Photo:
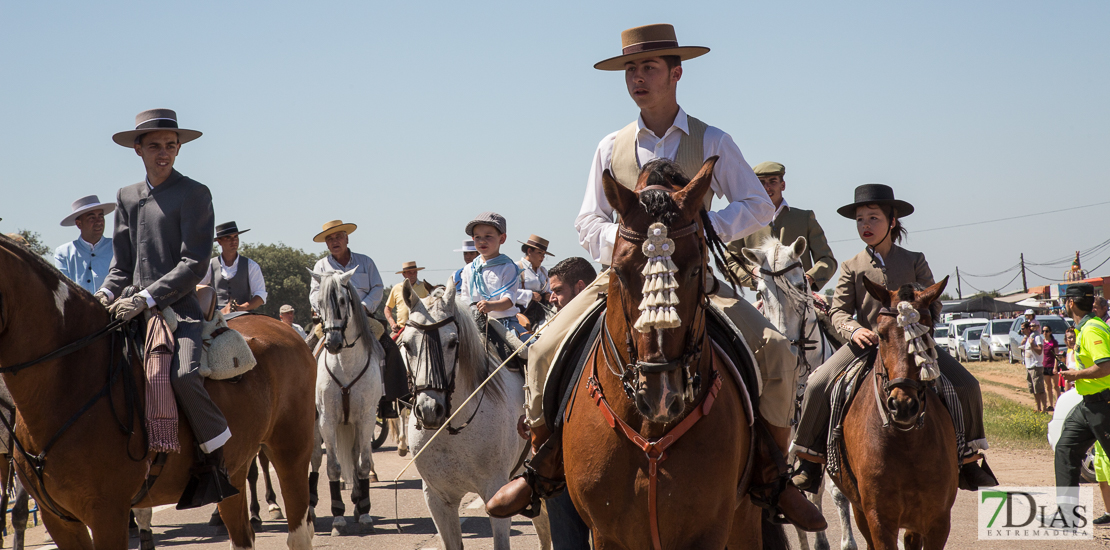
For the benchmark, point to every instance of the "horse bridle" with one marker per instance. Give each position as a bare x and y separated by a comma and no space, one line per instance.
341,328
437,369
882,393
803,342
629,372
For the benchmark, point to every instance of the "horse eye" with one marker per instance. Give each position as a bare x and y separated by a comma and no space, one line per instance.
695,272
452,342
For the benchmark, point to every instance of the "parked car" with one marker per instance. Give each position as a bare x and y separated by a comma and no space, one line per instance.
940,336
1057,323
956,330
969,344
995,340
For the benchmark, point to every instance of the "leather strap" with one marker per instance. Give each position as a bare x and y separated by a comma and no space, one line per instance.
656,451
346,390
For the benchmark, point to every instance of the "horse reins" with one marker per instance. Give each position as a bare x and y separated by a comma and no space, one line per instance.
437,369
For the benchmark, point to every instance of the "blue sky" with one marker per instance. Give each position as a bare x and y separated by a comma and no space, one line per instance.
410,118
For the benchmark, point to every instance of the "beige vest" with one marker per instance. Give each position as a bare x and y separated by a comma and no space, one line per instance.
690,155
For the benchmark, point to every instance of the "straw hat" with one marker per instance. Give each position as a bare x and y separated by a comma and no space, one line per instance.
649,41
537,242
334,226
155,120
408,265
86,204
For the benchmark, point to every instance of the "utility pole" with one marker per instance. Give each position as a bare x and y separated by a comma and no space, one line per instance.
959,291
1024,284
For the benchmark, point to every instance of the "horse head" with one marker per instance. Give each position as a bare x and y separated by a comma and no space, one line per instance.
781,282
907,352
431,343
339,306
657,284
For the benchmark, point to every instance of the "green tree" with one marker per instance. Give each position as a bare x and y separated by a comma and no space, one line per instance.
945,296
287,279
34,244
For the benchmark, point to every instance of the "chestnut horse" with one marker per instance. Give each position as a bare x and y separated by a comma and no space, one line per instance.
657,442
901,471
95,463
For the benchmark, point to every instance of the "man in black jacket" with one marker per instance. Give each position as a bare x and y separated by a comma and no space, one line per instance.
162,244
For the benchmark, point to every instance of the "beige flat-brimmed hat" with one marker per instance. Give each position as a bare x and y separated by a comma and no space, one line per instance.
649,41
407,266
86,204
155,120
334,226
537,242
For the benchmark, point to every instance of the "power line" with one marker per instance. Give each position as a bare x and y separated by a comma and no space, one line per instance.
1007,270
996,220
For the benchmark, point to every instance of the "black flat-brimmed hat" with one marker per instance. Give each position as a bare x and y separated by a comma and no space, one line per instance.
155,120
228,229
649,41
875,193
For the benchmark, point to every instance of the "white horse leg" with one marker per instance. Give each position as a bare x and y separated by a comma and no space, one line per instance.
445,516
821,541
402,432
144,517
844,510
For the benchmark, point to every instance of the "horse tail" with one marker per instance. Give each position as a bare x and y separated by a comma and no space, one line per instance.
346,440
774,537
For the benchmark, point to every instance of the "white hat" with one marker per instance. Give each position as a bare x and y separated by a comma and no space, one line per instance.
1029,312
87,204
468,246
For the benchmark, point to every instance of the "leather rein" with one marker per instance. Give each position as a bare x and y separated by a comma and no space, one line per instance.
437,369
882,393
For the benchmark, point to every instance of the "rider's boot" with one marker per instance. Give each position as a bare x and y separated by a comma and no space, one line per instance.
337,508
209,483
807,476
543,476
973,476
774,474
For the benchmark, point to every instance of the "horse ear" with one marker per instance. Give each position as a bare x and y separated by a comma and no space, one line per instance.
620,198
930,295
880,293
315,276
691,198
449,294
409,295
346,277
799,246
755,256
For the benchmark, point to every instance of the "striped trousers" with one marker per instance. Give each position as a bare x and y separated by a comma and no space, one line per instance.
813,427
188,385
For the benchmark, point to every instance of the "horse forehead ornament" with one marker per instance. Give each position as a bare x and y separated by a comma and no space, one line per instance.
920,342
658,305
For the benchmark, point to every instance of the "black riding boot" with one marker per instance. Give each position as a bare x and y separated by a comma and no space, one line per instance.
209,484
360,497
337,508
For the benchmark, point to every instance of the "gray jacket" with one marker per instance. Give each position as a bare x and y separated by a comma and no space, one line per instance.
162,240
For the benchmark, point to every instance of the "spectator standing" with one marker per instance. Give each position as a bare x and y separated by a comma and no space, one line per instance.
1101,307
86,260
1048,354
1069,359
1031,345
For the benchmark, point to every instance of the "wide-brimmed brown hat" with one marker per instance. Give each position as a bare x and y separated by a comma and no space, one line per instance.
334,226
537,242
155,120
649,41
408,265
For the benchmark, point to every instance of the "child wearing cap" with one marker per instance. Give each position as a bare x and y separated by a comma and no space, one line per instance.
491,283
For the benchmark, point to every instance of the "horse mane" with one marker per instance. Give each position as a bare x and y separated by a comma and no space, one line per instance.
47,272
474,357
329,285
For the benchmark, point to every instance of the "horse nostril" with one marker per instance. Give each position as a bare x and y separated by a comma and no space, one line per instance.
892,404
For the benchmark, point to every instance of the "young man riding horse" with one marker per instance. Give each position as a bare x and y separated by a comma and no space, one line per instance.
162,245
237,280
651,60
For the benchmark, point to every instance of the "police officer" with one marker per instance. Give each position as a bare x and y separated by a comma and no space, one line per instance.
1090,419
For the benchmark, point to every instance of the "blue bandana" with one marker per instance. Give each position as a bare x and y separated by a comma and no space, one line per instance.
478,283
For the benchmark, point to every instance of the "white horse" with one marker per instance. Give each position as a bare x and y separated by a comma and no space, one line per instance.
481,449
788,305
348,388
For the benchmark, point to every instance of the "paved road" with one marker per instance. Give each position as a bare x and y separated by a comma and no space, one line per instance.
189,529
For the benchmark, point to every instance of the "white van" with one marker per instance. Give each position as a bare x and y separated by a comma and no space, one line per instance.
956,330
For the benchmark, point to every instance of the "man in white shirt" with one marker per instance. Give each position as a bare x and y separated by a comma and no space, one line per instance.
87,259
237,280
1031,343
651,62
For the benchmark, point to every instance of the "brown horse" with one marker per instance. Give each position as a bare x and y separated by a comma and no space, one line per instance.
660,460
98,463
902,475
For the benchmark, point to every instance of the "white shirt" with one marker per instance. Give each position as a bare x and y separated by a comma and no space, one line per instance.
1032,358
496,277
748,209
300,330
366,280
535,280
254,276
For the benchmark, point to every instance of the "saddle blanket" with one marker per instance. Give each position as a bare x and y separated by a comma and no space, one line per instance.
224,352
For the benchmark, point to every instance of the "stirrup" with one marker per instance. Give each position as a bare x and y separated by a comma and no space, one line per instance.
766,496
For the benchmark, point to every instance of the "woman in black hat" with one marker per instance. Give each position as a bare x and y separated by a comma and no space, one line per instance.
878,217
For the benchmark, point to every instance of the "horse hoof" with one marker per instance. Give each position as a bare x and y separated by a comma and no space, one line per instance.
275,512
402,451
312,516
365,519
373,477
256,522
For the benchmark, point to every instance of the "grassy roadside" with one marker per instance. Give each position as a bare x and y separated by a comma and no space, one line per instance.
1012,425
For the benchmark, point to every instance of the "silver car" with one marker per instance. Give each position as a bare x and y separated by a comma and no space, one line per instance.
969,345
995,341
940,336
1055,322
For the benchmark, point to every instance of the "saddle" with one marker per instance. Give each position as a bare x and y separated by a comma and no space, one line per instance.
224,352
844,389
502,341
